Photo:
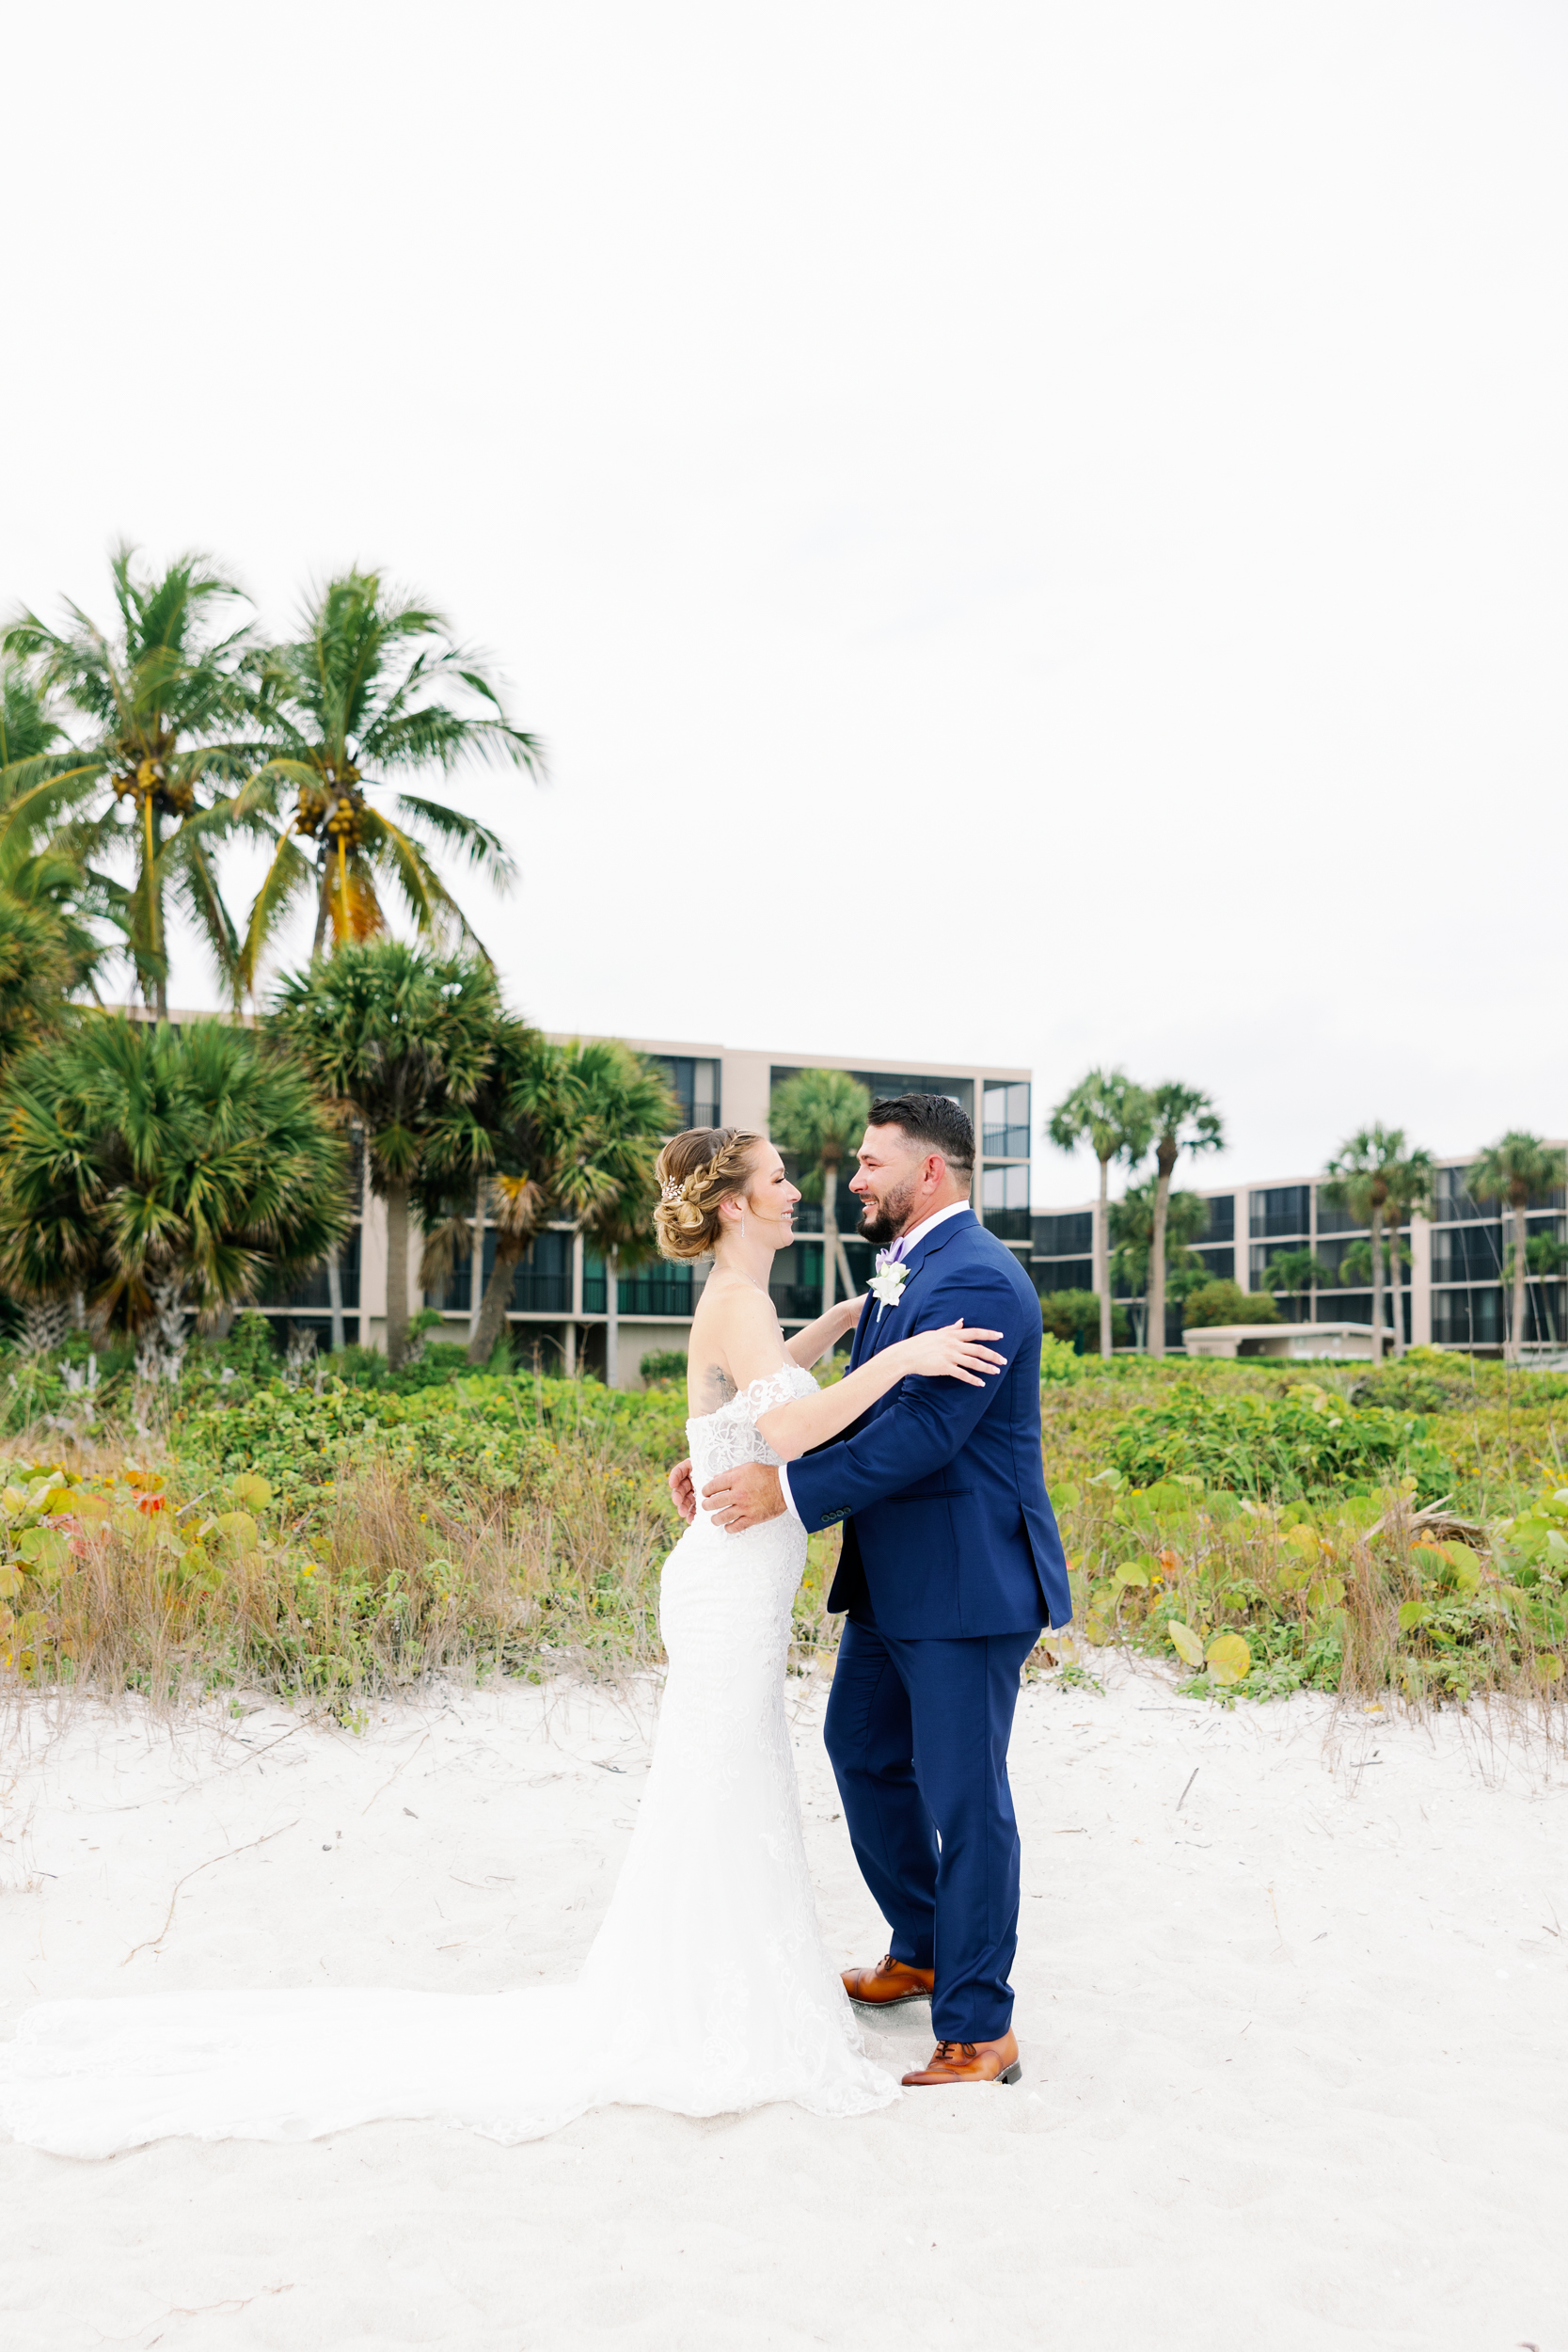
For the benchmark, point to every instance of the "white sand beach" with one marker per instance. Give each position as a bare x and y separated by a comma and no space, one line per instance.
1295,2043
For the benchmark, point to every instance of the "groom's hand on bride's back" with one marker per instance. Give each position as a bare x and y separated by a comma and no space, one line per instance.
682,1492
743,1497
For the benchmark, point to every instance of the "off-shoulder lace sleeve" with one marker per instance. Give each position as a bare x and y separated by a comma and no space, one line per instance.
780,1388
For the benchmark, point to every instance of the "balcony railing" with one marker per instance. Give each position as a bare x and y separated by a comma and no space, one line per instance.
1006,1143
1009,1224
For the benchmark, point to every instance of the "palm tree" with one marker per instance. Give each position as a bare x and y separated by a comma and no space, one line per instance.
822,1114
1296,1273
401,1041
1410,1180
48,898
1184,1120
1116,1119
353,708
1362,1175
161,1170
569,1133
626,1111
167,716
1519,1168
1136,1219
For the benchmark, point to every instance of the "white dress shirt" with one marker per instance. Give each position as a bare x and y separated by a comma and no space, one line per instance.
916,1232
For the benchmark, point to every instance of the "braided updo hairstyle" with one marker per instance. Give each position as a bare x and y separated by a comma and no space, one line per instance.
696,1172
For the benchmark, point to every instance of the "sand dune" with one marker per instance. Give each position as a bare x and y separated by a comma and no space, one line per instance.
1293,2044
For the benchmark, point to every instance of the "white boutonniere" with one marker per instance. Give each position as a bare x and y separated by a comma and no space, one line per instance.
887,1286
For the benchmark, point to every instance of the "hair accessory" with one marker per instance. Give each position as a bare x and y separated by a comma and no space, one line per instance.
671,1192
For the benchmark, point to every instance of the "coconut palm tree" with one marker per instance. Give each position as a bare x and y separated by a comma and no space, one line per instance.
1116,1119
1362,1176
1519,1167
821,1115
161,1170
354,707
164,714
1184,1120
401,1041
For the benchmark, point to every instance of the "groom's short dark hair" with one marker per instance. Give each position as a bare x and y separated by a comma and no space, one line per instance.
933,1120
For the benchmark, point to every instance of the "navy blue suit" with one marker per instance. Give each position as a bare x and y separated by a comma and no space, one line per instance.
950,1567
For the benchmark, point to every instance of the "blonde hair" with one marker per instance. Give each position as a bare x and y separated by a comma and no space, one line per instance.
698,1171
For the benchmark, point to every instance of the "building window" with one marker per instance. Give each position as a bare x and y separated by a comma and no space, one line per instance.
881,1084
1221,1263
1062,1274
1067,1236
310,1289
1285,1209
1222,1219
1332,1220
1467,1253
694,1083
1004,1121
1004,1201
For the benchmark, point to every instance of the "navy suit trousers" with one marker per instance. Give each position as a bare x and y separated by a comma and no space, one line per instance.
918,1732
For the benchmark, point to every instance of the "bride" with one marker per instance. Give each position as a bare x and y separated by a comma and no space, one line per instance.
707,1989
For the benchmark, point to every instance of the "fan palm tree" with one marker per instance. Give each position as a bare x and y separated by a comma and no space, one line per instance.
401,1041
821,1115
165,716
1410,1180
1296,1273
1519,1168
354,707
1143,1221
625,1109
1184,1120
1116,1119
1362,1176
159,1171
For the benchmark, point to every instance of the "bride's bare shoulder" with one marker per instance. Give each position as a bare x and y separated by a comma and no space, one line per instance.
736,1327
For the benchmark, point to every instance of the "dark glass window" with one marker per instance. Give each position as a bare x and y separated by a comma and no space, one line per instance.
1467,1253
1219,1263
694,1082
881,1084
1004,1121
1332,1220
1284,1209
1063,1236
1471,1318
1062,1274
1222,1218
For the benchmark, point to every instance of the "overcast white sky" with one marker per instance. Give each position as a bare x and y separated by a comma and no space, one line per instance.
1033,533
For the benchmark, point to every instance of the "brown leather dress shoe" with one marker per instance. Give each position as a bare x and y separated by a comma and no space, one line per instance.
971,2062
890,1983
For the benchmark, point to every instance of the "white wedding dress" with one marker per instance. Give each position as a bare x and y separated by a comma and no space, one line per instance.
707,1989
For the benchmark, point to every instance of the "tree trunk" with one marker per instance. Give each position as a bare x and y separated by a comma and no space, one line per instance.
846,1269
476,1263
397,1274
1155,1286
1377,1285
334,1297
498,1294
1103,1257
1521,1274
322,904
829,1226
612,1318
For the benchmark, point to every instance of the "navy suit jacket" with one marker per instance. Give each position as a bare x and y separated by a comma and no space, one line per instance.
949,1533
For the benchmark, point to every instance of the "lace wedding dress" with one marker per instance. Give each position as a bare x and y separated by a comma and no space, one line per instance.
707,1989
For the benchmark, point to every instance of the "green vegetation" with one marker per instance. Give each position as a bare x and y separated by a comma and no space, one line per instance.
821,1115
1208,1304
1271,1528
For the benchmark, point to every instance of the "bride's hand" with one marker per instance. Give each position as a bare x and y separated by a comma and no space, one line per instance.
953,1354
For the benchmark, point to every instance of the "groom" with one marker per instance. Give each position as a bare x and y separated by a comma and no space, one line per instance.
951,1563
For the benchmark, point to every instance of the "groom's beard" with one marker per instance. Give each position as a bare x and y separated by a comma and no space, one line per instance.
882,1225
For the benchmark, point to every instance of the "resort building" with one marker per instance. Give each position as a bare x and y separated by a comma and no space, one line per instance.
558,1295
1453,1275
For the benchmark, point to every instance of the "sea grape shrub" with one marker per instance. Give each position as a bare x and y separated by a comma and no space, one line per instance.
1302,1442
